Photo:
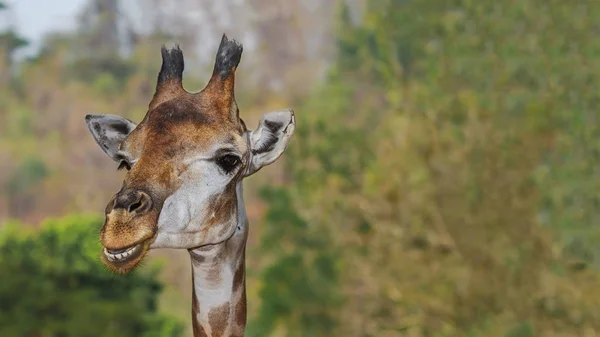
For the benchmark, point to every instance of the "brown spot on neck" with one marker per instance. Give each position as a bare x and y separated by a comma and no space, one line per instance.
239,278
239,284
218,318
240,311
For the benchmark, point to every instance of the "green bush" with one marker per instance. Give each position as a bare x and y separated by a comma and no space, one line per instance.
53,284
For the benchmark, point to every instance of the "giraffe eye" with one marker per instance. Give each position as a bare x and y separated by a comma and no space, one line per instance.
228,162
123,164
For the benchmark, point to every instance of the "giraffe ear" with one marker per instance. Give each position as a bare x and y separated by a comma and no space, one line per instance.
270,139
109,131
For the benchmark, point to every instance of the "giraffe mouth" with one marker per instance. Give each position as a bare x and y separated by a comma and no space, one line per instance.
125,259
122,255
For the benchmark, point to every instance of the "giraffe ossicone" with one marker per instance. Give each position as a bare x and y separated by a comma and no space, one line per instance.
185,162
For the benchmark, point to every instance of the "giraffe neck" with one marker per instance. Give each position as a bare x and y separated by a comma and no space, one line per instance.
219,278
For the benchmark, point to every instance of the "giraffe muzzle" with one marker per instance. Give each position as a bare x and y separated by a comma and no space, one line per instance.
129,229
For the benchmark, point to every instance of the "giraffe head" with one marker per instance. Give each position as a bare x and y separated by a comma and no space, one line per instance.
183,161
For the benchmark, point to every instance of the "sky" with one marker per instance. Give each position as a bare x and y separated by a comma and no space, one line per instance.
34,18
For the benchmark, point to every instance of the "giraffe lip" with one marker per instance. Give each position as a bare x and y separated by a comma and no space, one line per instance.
117,251
124,260
124,254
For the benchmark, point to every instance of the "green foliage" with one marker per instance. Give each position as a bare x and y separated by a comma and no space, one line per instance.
521,330
10,41
29,173
58,287
19,124
106,84
107,74
299,287
449,169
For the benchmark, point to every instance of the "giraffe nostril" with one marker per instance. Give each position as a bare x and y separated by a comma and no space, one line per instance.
133,201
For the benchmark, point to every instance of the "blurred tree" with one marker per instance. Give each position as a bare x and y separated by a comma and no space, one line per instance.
100,44
301,288
10,42
294,43
54,285
298,289
449,164
20,186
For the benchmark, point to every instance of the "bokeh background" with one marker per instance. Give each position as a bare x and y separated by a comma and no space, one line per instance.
442,181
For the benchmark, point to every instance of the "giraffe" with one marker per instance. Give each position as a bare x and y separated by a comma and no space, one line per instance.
186,161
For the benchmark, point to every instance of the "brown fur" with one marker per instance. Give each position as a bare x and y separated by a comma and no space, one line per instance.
239,277
239,283
166,92
240,310
218,319
223,208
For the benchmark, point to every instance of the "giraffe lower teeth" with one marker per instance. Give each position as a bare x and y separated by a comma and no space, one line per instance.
121,256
